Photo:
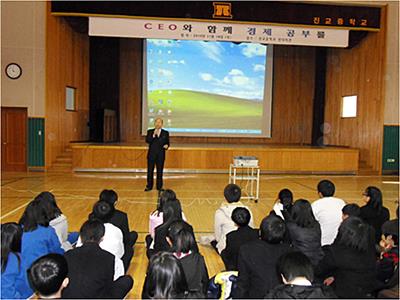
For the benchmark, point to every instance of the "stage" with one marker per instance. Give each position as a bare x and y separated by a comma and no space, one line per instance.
215,158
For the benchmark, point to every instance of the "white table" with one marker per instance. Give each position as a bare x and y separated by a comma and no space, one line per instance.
251,175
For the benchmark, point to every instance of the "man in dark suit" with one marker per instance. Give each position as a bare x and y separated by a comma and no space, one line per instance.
158,140
91,269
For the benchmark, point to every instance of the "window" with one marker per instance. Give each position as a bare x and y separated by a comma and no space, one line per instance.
349,106
70,98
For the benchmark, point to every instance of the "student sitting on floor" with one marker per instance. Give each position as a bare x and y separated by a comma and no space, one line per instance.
235,239
156,217
91,269
223,223
171,212
57,220
350,210
389,255
257,260
304,230
13,284
391,225
165,278
353,210
328,211
183,245
284,202
120,219
297,275
373,212
38,238
48,276
388,264
113,238
349,263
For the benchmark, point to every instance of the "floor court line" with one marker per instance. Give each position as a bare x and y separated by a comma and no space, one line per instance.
15,210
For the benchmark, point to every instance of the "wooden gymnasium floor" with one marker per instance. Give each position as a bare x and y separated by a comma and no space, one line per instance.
200,195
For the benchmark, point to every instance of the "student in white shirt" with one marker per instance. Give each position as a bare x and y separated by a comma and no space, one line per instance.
328,211
223,223
113,240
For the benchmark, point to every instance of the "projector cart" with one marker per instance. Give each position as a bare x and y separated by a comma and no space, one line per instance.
251,175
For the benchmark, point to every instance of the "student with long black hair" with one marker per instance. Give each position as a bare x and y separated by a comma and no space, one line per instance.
349,262
57,220
183,245
304,230
165,278
13,284
172,211
156,216
119,218
373,212
38,238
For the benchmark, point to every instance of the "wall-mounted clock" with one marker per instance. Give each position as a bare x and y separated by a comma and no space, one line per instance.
13,71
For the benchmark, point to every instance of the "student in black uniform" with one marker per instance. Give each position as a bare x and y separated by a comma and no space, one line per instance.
48,276
235,239
120,219
257,260
297,275
165,278
158,140
183,245
91,269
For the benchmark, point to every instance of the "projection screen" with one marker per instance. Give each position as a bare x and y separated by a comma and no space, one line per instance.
208,88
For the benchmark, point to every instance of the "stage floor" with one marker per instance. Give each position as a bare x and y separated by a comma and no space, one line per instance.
200,195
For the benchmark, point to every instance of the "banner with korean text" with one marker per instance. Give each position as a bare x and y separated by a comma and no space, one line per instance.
218,31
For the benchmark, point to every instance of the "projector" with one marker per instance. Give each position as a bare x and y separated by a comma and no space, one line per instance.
245,161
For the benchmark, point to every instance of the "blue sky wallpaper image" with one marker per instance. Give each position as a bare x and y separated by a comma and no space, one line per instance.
224,68
206,87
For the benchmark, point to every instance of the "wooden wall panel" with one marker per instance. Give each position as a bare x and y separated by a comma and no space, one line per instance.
289,159
67,64
130,89
292,100
359,71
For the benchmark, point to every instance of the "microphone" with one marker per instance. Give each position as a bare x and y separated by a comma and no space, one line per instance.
156,133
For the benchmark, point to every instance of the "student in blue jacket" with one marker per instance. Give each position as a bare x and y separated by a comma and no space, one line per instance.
13,284
38,238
